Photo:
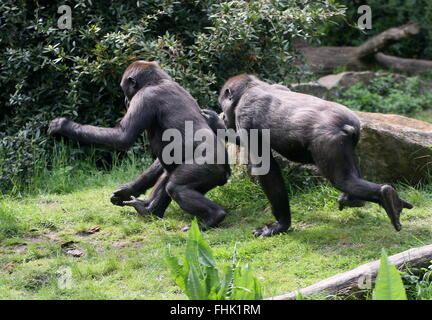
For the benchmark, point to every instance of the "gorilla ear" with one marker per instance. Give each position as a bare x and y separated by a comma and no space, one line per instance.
132,81
228,93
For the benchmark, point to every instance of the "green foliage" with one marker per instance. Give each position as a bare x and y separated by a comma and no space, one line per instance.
387,95
385,15
388,285
9,224
418,283
47,72
199,278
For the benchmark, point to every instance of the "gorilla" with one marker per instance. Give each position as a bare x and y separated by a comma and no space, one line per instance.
303,129
155,103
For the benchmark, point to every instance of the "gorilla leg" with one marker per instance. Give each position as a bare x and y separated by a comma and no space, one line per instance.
139,186
274,188
187,186
158,201
346,200
334,157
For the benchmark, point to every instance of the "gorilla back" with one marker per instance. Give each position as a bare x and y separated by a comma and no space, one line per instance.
154,104
304,129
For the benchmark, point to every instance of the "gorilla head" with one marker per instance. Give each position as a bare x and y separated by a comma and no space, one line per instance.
141,74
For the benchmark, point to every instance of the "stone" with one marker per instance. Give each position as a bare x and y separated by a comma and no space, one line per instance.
394,148
312,88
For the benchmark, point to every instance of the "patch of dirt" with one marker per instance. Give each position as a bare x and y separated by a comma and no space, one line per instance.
74,252
70,248
50,236
20,248
121,243
48,204
89,232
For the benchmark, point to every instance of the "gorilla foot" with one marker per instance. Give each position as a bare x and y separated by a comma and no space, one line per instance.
214,219
345,201
210,222
140,206
271,229
393,205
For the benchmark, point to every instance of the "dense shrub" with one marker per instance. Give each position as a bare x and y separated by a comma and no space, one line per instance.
385,15
387,95
48,72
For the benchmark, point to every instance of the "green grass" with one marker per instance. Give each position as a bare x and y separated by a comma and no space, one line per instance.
125,259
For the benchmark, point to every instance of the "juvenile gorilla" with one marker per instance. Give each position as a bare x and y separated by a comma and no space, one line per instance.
156,103
304,129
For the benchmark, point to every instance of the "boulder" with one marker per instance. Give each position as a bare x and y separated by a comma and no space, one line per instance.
312,88
394,148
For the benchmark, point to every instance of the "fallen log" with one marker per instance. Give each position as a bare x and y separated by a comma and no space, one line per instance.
362,276
325,60
403,65
382,40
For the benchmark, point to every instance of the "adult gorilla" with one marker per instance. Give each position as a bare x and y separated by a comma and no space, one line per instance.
304,129
155,103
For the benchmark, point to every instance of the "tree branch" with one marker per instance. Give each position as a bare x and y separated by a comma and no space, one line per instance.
385,38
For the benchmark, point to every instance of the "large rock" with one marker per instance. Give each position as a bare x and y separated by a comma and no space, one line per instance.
313,88
394,148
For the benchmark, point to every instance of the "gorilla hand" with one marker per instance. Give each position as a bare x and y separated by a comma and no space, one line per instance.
122,194
57,126
213,119
271,229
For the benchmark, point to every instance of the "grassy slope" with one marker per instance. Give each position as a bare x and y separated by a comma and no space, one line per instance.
125,259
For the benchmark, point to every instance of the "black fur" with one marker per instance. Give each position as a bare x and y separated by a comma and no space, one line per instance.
155,103
304,129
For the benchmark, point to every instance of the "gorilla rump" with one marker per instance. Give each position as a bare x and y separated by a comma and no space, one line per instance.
155,103
304,129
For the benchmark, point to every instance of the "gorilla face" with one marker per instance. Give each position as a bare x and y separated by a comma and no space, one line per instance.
130,88
226,102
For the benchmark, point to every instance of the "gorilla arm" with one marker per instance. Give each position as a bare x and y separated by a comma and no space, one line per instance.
213,120
139,186
139,117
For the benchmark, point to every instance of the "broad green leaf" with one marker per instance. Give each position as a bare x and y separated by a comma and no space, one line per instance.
177,270
199,277
197,248
245,285
195,287
388,285
226,284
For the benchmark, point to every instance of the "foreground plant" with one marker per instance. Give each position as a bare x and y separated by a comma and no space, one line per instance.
388,285
200,278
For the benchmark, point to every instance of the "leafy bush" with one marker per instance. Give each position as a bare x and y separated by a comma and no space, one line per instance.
47,72
386,95
418,283
199,277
